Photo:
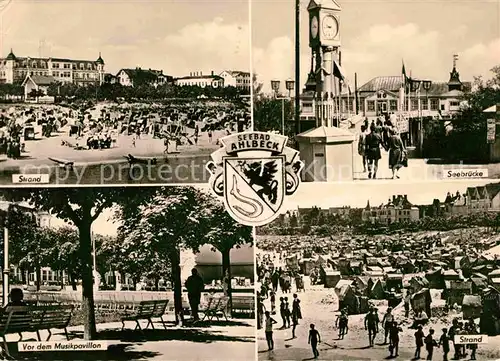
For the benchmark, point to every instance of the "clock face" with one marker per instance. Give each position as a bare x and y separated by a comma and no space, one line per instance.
330,27
314,27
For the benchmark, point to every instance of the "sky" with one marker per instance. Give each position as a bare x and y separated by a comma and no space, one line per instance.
357,194
177,37
377,35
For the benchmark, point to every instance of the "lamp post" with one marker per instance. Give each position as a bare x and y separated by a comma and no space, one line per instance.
275,86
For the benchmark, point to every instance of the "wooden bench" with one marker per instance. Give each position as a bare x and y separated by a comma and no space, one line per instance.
146,311
215,307
244,304
19,319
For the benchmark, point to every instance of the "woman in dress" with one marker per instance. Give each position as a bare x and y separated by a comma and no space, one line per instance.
396,152
372,150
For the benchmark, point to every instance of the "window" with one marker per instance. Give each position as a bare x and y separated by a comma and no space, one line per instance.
424,103
442,107
82,66
434,104
67,66
56,73
393,105
55,65
370,106
454,103
414,104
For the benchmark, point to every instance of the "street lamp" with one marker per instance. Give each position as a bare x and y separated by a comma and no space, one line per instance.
275,86
290,84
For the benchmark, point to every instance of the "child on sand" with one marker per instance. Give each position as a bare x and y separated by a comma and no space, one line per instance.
314,339
444,341
283,311
288,313
430,343
419,341
269,331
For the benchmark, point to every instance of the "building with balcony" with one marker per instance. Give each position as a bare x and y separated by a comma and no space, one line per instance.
237,79
14,69
203,81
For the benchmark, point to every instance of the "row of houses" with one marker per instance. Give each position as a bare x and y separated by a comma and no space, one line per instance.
38,73
399,209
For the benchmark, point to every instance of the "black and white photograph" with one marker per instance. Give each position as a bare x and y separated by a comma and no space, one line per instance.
371,90
149,273
117,92
381,272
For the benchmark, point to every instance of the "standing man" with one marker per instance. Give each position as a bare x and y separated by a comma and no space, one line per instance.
371,324
195,286
387,321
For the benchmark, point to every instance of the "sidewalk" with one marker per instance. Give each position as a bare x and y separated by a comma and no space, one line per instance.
230,340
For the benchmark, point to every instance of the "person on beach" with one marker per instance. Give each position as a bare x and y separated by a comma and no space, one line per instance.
314,339
444,342
342,323
419,342
394,339
387,321
269,331
296,313
288,313
371,324
430,343
283,311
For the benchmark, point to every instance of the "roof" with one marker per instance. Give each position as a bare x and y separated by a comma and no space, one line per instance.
394,83
472,301
99,60
214,77
493,189
41,79
327,134
237,72
11,56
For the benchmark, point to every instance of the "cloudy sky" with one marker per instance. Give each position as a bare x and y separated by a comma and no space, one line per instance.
176,36
378,34
325,195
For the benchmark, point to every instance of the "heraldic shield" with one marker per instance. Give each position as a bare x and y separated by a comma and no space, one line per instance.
254,188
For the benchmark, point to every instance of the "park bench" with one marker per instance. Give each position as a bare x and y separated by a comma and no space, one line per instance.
244,304
19,319
146,311
215,307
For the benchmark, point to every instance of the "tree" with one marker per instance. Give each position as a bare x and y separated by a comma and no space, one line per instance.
67,257
268,115
81,207
169,221
31,247
224,234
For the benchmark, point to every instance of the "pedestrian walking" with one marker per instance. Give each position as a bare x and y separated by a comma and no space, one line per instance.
342,323
296,313
372,151
269,331
362,145
314,339
288,313
419,341
394,339
371,324
397,152
283,311
273,302
444,342
387,321
430,343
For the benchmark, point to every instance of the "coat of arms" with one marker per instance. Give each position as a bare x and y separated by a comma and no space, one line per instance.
254,171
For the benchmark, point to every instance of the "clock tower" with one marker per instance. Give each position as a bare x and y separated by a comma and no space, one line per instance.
324,41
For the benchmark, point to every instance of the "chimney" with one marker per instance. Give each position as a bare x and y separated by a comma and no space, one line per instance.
406,197
212,73
393,198
201,73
